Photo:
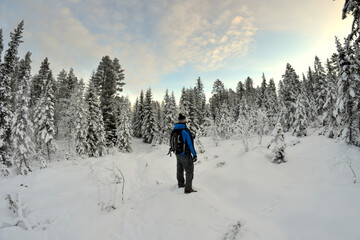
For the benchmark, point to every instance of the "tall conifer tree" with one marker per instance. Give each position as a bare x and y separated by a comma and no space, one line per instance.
149,121
319,88
200,101
95,133
272,103
44,115
184,105
7,68
21,124
290,92
169,114
81,119
124,128
332,114
262,97
108,80
348,101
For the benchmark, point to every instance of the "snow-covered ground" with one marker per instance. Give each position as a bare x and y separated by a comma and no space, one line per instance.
241,195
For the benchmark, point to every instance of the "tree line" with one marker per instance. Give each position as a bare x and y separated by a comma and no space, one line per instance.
39,112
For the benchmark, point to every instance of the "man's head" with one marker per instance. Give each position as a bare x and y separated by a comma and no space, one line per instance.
182,118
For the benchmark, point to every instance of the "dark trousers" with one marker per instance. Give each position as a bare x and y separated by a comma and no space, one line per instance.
184,163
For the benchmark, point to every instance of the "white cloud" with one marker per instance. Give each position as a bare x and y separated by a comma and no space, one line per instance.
154,38
206,34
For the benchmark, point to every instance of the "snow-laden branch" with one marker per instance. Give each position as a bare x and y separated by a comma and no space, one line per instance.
349,163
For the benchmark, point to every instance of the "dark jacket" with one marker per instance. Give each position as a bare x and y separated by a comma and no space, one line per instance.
187,138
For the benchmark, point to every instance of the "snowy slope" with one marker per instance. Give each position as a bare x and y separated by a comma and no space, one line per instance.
241,195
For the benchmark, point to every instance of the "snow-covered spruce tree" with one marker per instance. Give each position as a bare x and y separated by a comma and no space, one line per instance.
187,107
170,115
311,110
355,68
81,119
108,80
60,107
44,119
348,100
119,75
262,100
250,93
173,107
38,85
95,133
310,83
288,94
194,113
124,128
6,70
219,96
135,117
138,116
348,63
200,100
232,103
14,84
224,122
282,117
149,120
68,105
300,119
272,104
71,82
184,105
240,92
21,123
330,110
159,123
278,142
37,88
319,89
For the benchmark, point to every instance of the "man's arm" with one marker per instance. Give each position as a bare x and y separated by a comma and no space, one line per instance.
187,140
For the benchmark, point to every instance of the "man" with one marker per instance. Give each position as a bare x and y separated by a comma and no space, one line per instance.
185,159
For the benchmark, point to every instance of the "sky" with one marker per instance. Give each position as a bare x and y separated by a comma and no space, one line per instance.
168,44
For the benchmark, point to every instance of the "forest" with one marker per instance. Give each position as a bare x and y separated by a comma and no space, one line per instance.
45,112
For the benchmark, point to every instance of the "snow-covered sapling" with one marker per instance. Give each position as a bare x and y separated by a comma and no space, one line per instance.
4,171
19,208
107,185
278,151
233,232
198,143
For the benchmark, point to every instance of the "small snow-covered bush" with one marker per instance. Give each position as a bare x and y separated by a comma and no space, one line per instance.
278,150
233,232
4,171
107,184
220,164
16,205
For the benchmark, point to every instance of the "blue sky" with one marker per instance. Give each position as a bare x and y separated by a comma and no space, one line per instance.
169,43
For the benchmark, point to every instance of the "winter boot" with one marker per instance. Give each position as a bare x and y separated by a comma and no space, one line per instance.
190,191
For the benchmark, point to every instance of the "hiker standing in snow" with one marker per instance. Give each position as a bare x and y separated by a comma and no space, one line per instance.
278,152
186,156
